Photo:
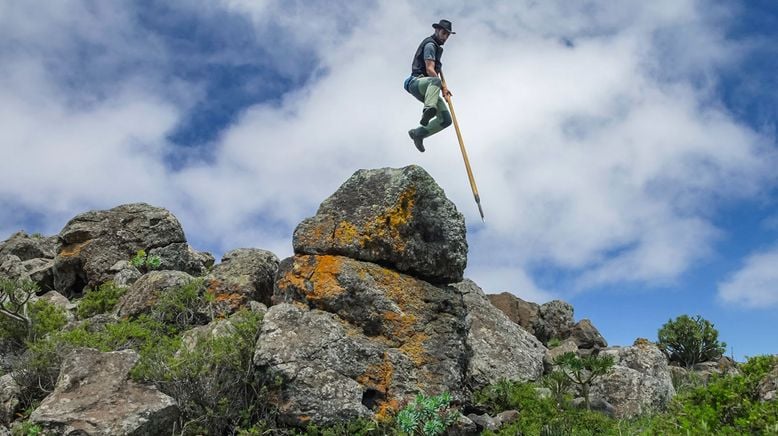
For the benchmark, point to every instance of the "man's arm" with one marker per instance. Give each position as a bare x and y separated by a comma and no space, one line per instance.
432,73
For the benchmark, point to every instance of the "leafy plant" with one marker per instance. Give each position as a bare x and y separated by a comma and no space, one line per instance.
26,428
101,300
559,384
554,342
583,371
183,306
427,415
690,340
145,262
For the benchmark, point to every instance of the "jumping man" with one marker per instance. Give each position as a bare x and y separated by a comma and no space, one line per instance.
424,84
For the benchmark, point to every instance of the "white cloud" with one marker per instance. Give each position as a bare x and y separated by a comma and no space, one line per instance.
605,159
755,285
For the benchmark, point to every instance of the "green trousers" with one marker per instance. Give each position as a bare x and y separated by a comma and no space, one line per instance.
427,91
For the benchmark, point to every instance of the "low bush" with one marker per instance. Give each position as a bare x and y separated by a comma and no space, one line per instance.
690,340
100,300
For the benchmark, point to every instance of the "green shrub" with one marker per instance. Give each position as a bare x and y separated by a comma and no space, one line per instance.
26,428
534,411
583,371
40,319
184,306
357,427
690,340
215,382
427,415
144,262
101,300
554,342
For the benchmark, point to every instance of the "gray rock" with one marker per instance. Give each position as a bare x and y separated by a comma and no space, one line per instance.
567,346
485,422
9,398
243,275
586,335
463,427
596,404
28,247
182,257
320,363
406,334
508,416
400,218
500,349
523,313
40,271
11,267
95,396
59,301
640,382
556,320
144,293
768,387
94,241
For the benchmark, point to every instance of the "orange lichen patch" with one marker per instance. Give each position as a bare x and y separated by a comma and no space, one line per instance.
387,410
314,276
73,249
414,349
642,342
401,326
347,233
378,376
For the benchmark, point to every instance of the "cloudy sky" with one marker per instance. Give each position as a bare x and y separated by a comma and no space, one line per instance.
625,152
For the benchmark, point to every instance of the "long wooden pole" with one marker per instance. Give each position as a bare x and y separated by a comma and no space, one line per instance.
462,147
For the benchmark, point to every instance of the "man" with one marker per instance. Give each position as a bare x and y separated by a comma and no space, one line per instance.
424,84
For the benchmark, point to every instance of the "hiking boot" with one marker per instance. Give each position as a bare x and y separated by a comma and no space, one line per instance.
427,114
418,141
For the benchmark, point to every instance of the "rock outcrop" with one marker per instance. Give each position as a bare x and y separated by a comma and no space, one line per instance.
243,275
639,382
94,241
371,310
94,396
143,294
399,218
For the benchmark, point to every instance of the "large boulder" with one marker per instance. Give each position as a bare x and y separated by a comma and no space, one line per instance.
399,218
401,335
524,313
143,294
27,247
38,270
180,256
94,241
243,275
556,320
94,396
639,382
500,349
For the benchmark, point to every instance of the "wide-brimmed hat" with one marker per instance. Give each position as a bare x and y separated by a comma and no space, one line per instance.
445,25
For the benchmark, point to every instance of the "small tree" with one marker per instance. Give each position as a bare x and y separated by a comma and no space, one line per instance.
583,371
15,296
690,340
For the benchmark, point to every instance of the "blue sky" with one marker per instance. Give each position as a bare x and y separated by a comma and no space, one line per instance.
625,152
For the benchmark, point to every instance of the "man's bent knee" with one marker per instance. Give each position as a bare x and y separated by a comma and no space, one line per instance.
446,119
436,81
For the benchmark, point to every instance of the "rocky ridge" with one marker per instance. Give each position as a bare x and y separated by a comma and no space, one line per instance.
371,309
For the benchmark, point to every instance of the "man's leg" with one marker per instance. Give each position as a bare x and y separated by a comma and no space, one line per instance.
440,122
429,88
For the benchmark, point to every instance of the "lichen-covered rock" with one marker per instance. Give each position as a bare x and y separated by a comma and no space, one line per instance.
243,275
556,319
94,396
499,348
399,218
524,313
586,335
27,247
144,293
403,335
768,387
94,241
639,382
9,398
180,256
